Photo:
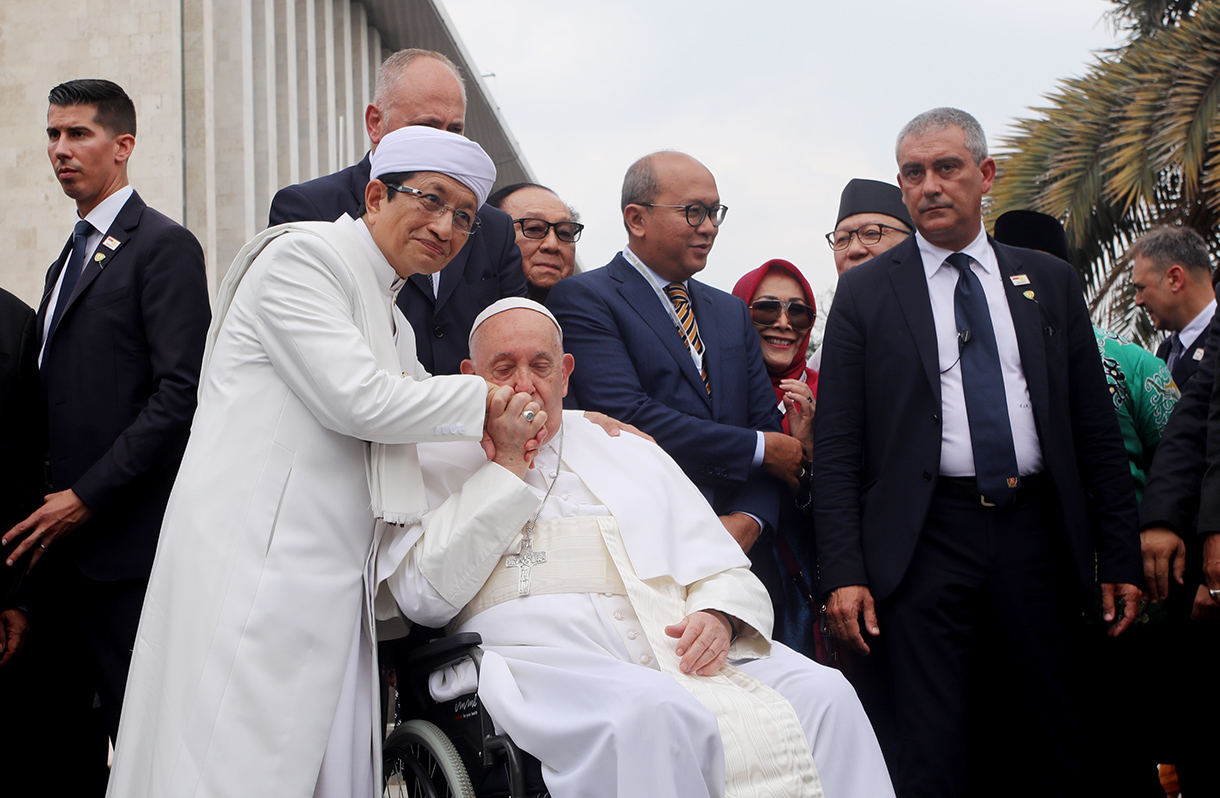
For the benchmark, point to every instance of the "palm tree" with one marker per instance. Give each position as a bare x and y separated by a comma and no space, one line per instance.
1132,144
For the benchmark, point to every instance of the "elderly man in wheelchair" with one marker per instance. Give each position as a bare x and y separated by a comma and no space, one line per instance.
625,642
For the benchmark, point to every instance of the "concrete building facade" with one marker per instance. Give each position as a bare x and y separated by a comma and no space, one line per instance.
234,99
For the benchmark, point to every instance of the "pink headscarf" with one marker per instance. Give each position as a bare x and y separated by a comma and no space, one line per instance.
745,289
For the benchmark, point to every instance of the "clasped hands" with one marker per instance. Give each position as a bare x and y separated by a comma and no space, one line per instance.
509,439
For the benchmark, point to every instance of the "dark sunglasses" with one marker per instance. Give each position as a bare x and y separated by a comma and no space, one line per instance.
766,312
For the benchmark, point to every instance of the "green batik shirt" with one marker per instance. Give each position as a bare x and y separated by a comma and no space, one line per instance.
1144,394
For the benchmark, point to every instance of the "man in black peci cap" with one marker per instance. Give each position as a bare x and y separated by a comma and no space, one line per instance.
871,219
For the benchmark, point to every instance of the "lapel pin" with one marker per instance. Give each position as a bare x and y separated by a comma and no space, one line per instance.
1019,279
1028,294
110,243
1198,354
99,257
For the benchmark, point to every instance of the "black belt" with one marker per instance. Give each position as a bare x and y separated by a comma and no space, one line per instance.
1032,487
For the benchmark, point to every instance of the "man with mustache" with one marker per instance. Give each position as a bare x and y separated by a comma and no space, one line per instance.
969,478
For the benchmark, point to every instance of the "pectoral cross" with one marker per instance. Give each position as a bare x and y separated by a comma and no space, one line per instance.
525,559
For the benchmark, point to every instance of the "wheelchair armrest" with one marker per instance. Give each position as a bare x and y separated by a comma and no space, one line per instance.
446,651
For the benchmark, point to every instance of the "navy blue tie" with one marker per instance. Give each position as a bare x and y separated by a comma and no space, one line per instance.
76,264
995,457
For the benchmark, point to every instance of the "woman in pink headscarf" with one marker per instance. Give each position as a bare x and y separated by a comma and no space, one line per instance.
782,308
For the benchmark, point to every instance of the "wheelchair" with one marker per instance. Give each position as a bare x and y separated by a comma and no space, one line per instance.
450,749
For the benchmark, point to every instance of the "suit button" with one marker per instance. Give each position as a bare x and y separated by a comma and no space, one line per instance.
936,417
439,332
927,477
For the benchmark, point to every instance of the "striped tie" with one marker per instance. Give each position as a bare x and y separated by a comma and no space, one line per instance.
686,320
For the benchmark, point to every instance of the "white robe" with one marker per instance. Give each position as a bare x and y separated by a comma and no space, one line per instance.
563,674
258,613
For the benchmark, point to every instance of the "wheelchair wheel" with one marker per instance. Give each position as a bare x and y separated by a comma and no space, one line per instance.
419,761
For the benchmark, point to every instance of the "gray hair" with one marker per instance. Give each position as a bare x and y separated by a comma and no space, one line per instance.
393,67
1169,246
940,118
640,184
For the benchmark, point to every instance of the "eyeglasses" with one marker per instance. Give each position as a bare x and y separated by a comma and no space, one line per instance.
765,312
567,232
696,213
868,234
463,221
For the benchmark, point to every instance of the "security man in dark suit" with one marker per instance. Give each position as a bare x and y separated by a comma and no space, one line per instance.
1172,276
421,87
967,470
675,357
121,327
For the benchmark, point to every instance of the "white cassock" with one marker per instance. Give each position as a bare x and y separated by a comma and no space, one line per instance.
588,681
253,672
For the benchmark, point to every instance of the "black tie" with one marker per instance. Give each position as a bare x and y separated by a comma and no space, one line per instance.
1175,351
995,457
76,264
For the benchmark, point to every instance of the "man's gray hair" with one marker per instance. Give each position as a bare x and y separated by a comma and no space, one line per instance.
393,67
1167,246
640,185
940,118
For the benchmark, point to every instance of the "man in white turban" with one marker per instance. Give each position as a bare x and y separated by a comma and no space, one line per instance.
626,640
253,671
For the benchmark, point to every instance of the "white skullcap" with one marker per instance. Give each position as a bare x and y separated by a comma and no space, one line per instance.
512,303
425,149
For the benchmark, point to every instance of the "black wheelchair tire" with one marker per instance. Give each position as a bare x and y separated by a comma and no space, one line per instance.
419,761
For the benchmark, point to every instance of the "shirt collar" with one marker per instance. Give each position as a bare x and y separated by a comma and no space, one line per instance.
1191,332
657,280
103,216
386,276
934,256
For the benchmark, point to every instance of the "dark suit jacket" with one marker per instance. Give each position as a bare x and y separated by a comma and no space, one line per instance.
1171,498
632,364
1187,365
878,427
119,379
487,268
22,428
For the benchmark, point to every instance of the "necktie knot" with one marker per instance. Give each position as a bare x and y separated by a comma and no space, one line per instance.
82,229
677,293
959,261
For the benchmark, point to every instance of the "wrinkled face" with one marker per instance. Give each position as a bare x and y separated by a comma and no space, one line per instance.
780,341
1152,293
89,162
428,94
520,348
857,252
548,260
942,187
414,240
661,236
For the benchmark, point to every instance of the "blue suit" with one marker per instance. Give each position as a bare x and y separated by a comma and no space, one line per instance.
632,364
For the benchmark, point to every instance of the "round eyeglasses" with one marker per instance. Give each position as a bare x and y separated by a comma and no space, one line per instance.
463,221
868,234
566,232
696,213
765,312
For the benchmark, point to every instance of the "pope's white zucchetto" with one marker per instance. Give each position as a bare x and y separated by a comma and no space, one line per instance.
425,149
511,303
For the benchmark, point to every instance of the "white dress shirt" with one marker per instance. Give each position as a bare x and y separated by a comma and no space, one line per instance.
1190,334
956,452
100,218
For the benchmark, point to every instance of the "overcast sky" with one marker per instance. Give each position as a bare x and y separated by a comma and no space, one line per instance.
783,101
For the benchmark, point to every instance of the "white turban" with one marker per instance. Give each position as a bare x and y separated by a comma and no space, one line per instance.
425,149
512,303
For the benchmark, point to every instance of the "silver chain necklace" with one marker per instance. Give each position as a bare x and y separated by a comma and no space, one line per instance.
526,558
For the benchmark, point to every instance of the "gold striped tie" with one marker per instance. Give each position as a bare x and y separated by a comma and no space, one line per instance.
686,319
